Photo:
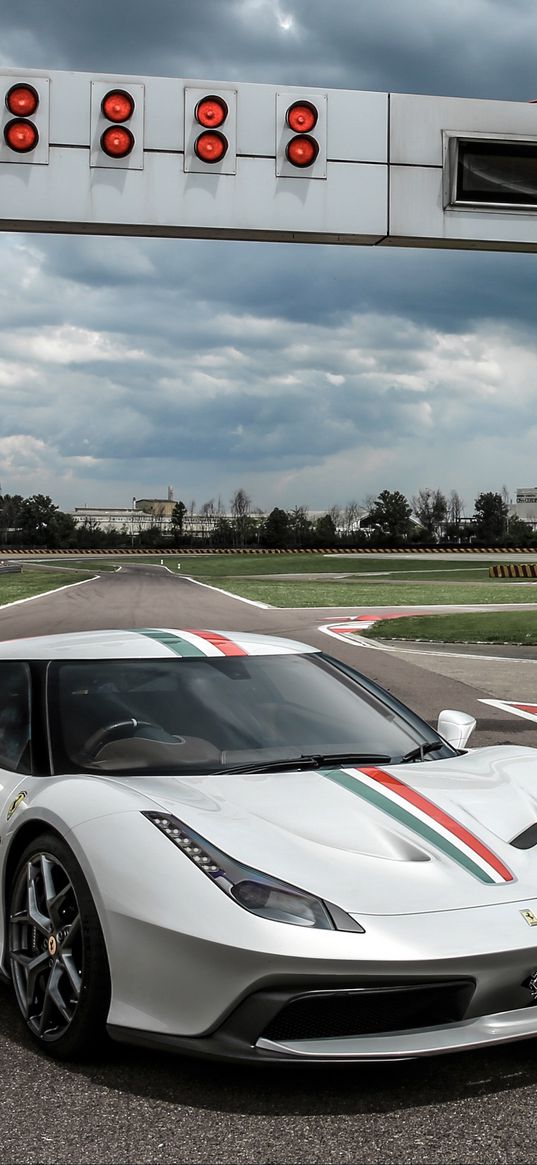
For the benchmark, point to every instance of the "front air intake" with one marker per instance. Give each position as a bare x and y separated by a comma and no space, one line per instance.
322,1015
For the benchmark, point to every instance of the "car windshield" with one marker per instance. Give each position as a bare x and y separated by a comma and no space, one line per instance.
212,715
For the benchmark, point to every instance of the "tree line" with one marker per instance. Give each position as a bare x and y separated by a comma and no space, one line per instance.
431,518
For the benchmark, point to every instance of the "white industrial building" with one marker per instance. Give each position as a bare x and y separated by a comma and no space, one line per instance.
525,506
121,519
148,513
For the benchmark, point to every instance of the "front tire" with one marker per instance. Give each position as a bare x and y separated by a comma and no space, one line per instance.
56,949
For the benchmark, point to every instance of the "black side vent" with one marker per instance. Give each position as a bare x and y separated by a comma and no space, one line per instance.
527,839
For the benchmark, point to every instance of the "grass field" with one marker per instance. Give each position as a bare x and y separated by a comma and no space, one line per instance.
490,627
37,582
208,567
301,580
301,565
363,594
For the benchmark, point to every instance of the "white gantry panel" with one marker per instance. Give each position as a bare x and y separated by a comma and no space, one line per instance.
194,158
351,205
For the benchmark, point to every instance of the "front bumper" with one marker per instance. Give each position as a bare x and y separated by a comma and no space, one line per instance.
271,1025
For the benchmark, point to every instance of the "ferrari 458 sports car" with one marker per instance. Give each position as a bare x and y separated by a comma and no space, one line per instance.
238,846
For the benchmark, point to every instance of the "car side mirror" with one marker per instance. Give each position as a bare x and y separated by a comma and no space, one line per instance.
455,727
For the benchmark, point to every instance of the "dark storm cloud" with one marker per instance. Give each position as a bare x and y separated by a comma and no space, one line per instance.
468,48
256,434
166,37
453,290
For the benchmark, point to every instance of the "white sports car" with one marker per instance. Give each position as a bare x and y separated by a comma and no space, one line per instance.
238,846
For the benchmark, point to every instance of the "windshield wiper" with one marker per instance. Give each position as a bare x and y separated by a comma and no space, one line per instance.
307,761
421,751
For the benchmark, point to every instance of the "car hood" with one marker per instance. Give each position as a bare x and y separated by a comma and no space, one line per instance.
398,839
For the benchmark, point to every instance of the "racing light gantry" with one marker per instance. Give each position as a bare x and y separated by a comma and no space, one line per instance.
164,156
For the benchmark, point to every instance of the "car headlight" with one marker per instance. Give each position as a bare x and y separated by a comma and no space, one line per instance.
255,891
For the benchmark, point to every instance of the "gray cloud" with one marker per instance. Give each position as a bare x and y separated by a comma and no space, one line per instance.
306,374
468,48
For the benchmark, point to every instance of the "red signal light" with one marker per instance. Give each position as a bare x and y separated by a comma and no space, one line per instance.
24,132
302,150
210,131
302,117
22,100
117,141
117,125
211,112
117,105
20,135
211,147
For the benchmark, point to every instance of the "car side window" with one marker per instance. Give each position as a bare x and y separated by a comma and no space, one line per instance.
15,730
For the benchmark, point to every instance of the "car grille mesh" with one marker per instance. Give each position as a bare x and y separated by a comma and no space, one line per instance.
333,1015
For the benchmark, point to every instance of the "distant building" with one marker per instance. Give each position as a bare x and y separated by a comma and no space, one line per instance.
121,519
146,513
158,507
525,506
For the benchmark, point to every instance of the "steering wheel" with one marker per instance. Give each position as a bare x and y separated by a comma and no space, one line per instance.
118,730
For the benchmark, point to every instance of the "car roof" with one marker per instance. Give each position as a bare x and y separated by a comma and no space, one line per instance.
149,643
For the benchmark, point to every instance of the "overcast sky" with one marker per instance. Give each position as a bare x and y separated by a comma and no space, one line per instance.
306,375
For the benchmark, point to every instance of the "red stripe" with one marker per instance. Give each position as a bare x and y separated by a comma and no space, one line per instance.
225,645
526,708
426,806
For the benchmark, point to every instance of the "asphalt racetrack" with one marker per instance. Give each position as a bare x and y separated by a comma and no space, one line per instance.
135,1106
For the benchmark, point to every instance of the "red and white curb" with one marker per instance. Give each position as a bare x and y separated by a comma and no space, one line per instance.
350,628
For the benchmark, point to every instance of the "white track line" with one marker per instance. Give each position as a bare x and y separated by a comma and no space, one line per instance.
229,594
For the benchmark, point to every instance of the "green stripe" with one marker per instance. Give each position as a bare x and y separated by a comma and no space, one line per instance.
175,643
405,818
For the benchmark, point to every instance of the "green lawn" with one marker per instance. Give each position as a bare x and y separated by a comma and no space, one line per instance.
211,566
216,566
36,582
373,594
91,563
499,627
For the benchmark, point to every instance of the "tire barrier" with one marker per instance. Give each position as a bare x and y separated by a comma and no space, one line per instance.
513,570
176,551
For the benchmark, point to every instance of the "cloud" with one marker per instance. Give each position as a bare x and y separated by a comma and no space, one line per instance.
71,345
466,48
305,374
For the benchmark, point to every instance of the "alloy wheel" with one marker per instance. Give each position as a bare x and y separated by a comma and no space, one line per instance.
46,947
